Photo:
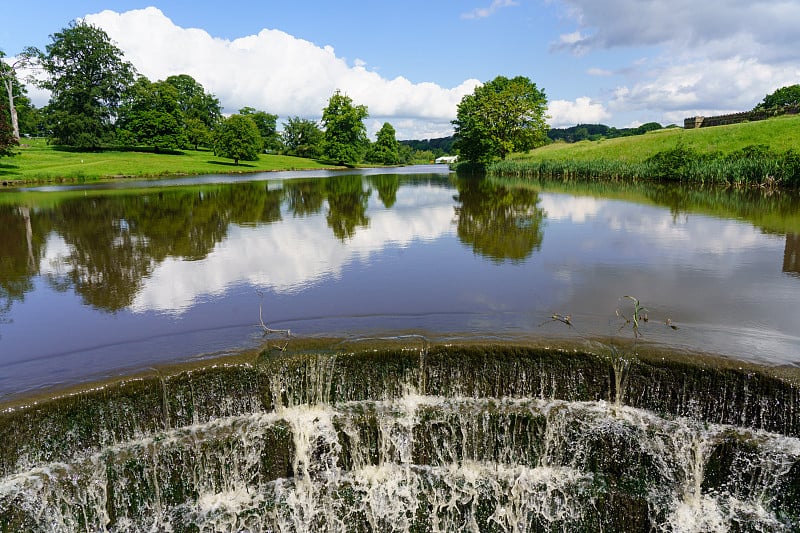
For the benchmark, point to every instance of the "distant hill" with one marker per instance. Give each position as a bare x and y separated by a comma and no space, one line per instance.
595,132
440,146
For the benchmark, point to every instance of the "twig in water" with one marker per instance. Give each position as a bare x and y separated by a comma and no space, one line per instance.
268,330
556,317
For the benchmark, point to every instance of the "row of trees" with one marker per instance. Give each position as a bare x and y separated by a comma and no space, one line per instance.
98,101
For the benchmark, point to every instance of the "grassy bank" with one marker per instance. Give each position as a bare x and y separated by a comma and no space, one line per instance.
763,153
39,162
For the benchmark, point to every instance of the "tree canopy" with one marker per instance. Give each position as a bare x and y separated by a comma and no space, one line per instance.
151,115
302,137
345,135
87,78
194,102
385,150
7,138
501,116
266,124
238,138
788,96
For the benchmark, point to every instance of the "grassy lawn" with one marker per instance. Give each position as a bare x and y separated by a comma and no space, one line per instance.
779,134
39,162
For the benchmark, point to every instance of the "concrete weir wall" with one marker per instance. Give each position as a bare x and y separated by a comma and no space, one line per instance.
411,438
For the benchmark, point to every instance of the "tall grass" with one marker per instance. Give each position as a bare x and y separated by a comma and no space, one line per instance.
750,166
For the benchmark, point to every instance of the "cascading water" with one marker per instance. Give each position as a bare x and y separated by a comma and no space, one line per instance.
443,438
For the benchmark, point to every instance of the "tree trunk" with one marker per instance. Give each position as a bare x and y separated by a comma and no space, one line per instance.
14,118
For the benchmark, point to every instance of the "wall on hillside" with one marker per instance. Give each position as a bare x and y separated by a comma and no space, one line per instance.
735,118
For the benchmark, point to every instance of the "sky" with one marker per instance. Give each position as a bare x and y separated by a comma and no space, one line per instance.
616,62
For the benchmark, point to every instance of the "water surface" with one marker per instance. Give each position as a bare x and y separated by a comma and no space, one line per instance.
100,280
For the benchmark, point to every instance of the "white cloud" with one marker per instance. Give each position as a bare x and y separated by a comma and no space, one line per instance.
704,87
711,57
294,253
582,111
274,71
598,72
483,12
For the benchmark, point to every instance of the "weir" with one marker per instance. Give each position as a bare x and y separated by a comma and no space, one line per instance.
408,436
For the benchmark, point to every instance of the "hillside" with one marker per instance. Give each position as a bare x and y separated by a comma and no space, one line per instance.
777,134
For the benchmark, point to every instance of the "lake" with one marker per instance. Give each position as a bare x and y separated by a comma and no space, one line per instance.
102,280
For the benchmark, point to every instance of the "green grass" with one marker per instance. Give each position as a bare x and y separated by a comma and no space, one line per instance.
764,154
38,162
779,134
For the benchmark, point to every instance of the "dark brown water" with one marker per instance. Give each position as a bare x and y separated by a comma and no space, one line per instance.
97,281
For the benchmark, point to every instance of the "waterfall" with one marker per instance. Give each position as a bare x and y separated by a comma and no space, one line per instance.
440,438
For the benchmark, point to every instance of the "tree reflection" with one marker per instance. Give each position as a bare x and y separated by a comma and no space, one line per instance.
347,205
500,223
305,197
22,237
386,185
791,254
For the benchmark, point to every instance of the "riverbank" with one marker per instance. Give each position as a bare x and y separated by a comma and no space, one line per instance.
39,162
764,153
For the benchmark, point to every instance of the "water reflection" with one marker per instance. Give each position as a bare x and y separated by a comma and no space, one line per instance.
498,222
153,274
791,254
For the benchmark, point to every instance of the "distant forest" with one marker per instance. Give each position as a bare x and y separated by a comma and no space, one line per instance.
438,147
581,132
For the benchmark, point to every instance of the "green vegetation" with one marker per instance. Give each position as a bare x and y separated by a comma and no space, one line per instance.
784,97
345,139
238,138
500,117
40,162
763,153
385,150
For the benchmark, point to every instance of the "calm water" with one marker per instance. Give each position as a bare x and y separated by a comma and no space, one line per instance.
96,281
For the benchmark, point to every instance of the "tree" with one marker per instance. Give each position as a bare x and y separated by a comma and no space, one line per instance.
302,137
238,138
8,74
87,78
7,139
385,150
788,96
196,132
499,117
265,122
151,115
194,102
345,134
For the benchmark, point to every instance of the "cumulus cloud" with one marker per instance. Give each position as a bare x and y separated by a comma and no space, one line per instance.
631,23
483,12
711,57
581,111
274,71
704,87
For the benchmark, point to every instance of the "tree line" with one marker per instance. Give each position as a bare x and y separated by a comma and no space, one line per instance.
99,101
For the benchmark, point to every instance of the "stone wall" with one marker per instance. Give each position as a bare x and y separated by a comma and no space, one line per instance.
736,118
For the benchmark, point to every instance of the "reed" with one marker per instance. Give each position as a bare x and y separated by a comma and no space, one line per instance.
752,166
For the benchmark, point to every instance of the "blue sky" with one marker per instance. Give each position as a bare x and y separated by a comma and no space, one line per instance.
617,62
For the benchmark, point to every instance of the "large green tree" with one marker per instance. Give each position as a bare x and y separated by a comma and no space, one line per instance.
345,136
151,115
238,138
195,102
266,124
385,150
302,137
501,116
87,77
